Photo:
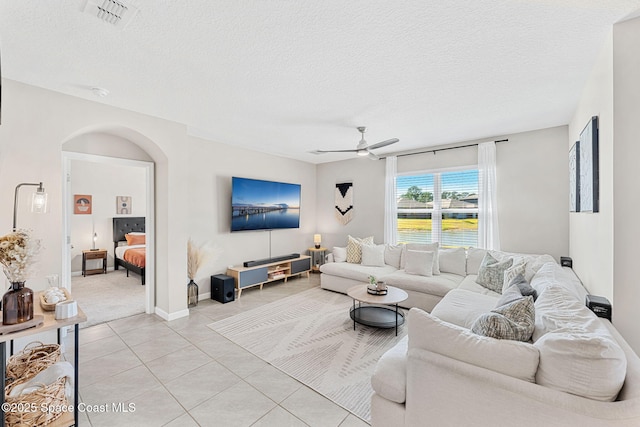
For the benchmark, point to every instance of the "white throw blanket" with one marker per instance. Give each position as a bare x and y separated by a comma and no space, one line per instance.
47,377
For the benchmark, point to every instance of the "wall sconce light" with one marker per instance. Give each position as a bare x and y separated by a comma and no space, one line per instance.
317,239
38,200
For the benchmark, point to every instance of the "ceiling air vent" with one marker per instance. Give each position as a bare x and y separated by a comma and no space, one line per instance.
115,12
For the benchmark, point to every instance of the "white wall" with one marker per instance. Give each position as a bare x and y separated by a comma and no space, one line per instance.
103,182
591,234
532,173
626,152
211,166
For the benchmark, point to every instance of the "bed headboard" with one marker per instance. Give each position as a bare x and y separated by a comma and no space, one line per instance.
122,226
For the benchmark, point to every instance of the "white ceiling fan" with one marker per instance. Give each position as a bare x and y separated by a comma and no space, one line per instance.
363,149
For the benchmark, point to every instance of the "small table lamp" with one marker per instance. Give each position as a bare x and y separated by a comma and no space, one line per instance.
95,239
316,240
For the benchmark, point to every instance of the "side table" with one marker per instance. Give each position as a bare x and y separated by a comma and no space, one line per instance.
50,323
317,258
94,254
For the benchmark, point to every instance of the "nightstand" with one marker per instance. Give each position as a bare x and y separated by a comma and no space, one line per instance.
317,258
97,254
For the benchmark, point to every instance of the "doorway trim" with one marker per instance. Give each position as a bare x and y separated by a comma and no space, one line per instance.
67,210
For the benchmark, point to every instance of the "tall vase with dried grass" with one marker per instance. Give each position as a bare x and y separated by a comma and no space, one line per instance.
18,251
197,255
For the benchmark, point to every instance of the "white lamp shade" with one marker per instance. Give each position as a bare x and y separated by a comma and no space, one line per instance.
316,240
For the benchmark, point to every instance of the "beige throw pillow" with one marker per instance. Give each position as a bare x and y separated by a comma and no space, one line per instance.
354,248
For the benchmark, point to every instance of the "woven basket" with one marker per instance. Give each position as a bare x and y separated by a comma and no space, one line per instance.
26,409
34,358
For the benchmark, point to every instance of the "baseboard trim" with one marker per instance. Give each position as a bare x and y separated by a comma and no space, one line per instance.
206,295
172,316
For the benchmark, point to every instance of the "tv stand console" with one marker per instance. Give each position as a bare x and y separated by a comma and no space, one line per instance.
246,277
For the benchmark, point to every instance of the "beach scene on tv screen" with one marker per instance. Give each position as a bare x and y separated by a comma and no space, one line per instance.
264,205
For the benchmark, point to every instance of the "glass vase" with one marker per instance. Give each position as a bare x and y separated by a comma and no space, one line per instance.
17,304
192,294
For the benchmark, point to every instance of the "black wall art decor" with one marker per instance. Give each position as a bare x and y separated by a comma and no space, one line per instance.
344,202
589,184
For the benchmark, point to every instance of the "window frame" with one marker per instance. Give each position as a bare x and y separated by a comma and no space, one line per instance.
437,211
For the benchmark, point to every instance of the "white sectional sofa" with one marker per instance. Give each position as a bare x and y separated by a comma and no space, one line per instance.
457,268
575,371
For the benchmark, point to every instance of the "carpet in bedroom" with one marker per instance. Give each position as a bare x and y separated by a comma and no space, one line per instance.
106,297
310,337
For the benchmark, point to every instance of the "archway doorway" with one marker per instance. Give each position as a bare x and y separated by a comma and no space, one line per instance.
145,169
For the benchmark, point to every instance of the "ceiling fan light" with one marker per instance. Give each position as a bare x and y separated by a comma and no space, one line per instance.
362,153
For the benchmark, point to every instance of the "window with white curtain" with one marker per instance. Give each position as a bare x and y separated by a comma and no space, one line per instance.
438,206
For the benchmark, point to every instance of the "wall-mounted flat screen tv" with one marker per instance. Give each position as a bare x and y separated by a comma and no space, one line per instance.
264,205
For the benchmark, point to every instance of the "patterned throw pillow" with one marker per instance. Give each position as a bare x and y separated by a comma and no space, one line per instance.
354,248
511,272
491,272
513,321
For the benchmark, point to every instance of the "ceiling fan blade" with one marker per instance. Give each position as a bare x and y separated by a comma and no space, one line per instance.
373,156
336,151
383,143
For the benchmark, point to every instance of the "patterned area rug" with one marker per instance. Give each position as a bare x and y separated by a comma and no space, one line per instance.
310,337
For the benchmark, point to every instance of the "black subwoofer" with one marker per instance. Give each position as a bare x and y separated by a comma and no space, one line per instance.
223,288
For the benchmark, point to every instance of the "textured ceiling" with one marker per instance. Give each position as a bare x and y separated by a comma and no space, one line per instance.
289,77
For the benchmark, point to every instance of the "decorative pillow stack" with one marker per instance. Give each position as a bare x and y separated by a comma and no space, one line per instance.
512,319
354,248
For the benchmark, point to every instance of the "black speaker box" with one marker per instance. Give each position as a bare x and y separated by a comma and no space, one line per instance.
600,306
223,288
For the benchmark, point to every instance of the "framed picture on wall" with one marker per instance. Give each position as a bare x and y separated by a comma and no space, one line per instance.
82,204
589,168
574,178
123,205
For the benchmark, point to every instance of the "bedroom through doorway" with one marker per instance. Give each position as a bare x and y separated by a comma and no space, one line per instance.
108,201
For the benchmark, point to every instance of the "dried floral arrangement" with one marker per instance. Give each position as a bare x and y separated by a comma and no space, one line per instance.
197,256
18,251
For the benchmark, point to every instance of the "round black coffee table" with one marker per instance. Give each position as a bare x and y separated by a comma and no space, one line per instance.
374,314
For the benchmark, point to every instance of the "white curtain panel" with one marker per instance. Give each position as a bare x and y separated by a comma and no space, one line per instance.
488,232
390,203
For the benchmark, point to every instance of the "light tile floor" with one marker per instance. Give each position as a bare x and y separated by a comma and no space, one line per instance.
182,373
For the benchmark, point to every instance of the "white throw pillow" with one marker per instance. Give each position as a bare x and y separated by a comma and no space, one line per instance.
514,358
453,261
373,255
393,254
474,259
431,247
419,262
339,254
